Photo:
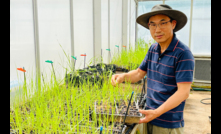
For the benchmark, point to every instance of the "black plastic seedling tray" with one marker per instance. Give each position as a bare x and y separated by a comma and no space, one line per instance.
133,115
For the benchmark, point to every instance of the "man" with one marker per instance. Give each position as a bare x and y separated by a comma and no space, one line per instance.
169,66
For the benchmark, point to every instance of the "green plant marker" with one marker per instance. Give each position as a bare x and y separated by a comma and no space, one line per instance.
109,53
49,61
118,48
74,60
74,57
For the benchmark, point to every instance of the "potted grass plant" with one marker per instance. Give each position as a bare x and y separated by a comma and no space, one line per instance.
53,109
131,59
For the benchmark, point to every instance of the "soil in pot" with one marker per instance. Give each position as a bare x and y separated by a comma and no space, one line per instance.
125,70
118,68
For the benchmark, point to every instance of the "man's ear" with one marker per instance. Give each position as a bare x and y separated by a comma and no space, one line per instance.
174,23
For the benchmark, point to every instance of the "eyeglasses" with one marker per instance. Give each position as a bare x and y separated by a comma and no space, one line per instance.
161,25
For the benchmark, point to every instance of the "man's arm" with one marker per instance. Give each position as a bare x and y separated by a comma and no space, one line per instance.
178,97
132,76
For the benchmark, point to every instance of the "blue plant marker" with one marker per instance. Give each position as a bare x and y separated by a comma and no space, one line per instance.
101,129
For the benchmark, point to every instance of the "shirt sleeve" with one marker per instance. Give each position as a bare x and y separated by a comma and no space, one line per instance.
184,67
143,65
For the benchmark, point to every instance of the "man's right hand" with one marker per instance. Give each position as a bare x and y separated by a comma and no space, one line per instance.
117,79
132,76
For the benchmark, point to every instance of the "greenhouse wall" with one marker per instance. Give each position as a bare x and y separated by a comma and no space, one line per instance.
54,35
59,37
197,35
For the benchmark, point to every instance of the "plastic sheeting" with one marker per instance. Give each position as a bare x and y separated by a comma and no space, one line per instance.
54,34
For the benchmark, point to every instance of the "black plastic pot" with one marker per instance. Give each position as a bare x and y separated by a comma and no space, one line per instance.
82,71
89,72
100,71
97,80
99,66
111,67
71,78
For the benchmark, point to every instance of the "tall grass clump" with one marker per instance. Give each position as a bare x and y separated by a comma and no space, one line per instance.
58,107
132,58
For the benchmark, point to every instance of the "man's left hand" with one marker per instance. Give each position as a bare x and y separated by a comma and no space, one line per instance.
149,115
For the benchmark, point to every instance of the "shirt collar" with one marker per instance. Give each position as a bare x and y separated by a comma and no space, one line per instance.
172,45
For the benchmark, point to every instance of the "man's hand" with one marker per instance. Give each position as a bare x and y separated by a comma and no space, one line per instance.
149,115
132,76
117,79
173,101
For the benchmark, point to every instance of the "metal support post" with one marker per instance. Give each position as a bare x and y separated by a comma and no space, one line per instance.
190,31
36,43
72,34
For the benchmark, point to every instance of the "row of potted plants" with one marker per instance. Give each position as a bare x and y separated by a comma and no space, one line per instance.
47,110
61,107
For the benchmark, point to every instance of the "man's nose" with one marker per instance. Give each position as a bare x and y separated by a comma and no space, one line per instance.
158,29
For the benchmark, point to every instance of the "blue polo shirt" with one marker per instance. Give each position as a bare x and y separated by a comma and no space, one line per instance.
164,71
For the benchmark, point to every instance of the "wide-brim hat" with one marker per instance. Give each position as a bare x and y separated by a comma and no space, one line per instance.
177,15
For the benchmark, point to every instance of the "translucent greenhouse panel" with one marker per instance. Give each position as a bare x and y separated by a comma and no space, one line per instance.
128,24
144,7
132,18
22,52
83,31
201,27
115,27
104,29
183,6
54,35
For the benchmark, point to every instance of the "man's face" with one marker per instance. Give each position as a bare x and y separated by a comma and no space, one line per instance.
161,35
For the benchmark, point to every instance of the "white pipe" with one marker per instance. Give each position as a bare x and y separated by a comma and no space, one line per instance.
36,44
190,31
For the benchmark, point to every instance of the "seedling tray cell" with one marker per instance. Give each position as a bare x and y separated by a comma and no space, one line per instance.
133,115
